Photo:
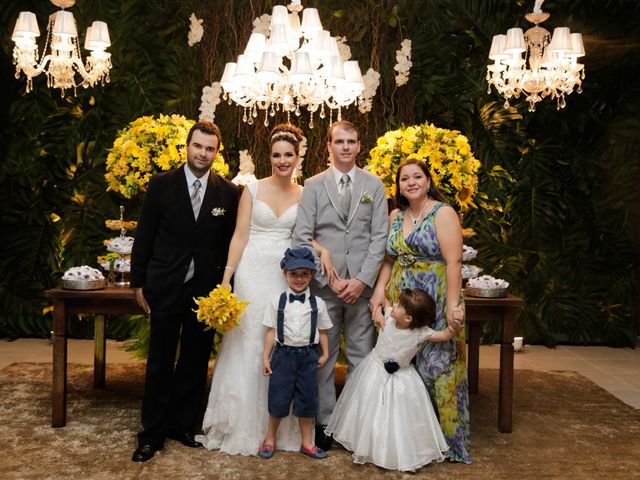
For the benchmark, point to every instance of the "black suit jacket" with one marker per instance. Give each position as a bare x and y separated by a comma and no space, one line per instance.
168,237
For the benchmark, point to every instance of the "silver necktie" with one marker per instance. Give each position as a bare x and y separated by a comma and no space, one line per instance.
345,196
196,203
196,198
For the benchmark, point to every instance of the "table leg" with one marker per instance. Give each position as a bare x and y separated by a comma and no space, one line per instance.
473,363
99,353
505,400
59,382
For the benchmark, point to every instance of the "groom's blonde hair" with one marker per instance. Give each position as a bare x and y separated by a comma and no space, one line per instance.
345,125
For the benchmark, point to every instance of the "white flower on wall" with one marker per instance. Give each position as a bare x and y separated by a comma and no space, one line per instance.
261,24
371,83
195,30
343,48
209,101
246,169
403,57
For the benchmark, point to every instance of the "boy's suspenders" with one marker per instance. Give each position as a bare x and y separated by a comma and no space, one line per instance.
280,322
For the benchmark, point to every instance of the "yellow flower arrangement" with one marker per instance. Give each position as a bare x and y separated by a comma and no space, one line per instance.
220,310
446,152
147,146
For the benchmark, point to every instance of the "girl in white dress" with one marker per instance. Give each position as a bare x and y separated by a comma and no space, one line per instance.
236,417
384,414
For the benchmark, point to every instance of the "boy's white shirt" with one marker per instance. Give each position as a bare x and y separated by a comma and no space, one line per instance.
297,319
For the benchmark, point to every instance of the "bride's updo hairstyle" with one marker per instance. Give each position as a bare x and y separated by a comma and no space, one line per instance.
285,132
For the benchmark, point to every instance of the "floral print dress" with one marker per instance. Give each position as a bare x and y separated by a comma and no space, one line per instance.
418,263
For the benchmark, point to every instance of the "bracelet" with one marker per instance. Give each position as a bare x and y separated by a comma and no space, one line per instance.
230,268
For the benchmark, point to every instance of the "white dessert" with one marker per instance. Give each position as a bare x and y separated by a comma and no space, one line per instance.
83,273
120,265
470,271
121,245
487,282
468,253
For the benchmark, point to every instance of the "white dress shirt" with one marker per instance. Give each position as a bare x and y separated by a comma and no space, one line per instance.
297,319
337,174
191,178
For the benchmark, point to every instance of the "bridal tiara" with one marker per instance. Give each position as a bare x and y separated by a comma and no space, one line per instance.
285,133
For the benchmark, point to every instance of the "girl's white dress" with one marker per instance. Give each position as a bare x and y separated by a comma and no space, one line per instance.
387,419
236,418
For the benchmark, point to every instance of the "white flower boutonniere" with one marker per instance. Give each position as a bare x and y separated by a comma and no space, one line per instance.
366,198
217,212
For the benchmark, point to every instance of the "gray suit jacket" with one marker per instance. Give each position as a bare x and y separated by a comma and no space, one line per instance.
357,245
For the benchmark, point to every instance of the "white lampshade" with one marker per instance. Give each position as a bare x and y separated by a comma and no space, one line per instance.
64,24
97,37
301,68
245,71
255,46
561,40
333,46
577,47
26,26
227,76
497,48
268,71
310,22
278,41
515,41
334,71
279,16
296,29
353,76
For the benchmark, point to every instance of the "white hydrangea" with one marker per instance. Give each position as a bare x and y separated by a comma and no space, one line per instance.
343,48
261,24
195,30
245,170
209,101
371,81
302,150
403,57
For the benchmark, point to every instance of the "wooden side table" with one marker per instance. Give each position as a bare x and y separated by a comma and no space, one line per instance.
503,310
108,301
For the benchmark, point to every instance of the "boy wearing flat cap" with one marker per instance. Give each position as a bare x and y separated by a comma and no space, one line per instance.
297,322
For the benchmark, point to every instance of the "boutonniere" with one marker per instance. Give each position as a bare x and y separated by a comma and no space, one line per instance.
217,211
366,198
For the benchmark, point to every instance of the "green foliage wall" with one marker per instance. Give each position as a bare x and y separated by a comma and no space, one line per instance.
557,216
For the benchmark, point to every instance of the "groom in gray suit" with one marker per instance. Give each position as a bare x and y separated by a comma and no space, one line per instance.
344,209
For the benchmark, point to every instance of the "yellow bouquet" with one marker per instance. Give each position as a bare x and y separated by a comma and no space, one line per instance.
150,145
446,152
220,310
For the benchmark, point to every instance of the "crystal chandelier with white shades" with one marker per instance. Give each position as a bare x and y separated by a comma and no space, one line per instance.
295,65
549,67
63,60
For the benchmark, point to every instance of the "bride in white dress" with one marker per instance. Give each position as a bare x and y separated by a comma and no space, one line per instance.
236,417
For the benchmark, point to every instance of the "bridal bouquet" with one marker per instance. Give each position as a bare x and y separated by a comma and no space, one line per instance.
146,146
446,152
220,310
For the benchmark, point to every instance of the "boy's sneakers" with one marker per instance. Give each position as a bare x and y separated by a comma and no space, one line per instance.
265,451
314,452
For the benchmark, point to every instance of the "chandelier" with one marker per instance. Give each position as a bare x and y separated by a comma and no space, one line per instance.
549,67
64,60
296,65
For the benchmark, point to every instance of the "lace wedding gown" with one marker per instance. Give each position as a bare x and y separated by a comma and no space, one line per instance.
236,418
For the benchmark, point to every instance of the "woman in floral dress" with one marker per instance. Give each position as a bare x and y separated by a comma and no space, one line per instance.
424,250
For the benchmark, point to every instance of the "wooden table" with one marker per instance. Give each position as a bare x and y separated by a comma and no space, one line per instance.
117,301
480,310
109,301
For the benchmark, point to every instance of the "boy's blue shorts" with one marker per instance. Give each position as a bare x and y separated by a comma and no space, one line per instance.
293,377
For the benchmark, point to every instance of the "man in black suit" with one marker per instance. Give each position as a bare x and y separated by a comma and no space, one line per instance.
179,253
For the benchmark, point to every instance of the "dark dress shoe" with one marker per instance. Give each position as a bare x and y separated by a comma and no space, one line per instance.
323,440
143,453
187,439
